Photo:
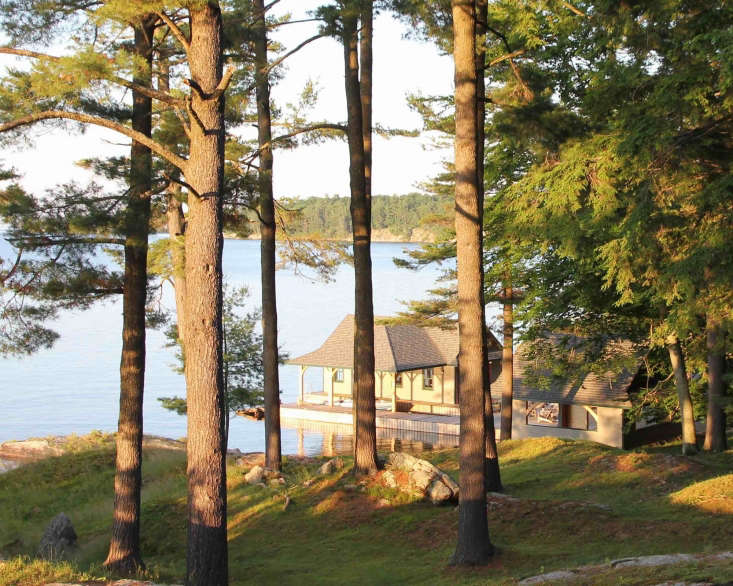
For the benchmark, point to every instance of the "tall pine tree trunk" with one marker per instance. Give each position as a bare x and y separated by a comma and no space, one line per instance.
365,89
207,530
715,439
677,359
493,476
267,246
176,230
507,365
175,220
124,555
365,439
474,546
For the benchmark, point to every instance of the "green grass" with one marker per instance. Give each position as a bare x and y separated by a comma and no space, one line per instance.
335,531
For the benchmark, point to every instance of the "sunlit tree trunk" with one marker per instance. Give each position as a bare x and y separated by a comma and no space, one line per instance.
124,556
365,441
207,530
474,546
267,245
493,476
677,359
715,439
175,220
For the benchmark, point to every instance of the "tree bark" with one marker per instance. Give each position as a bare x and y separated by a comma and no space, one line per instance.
474,546
677,359
365,437
176,231
176,221
273,458
124,556
207,530
491,465
507,365
715,439
365,89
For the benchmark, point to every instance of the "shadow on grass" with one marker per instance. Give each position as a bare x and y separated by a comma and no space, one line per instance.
335,530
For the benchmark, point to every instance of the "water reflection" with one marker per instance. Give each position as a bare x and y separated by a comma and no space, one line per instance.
329,440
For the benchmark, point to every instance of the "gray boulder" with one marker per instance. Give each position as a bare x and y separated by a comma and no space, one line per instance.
331,466
58,538
423,479
255,475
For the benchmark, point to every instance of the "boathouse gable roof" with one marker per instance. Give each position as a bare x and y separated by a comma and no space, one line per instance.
397,348
609,389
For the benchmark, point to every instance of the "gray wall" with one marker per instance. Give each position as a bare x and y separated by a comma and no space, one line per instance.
610,427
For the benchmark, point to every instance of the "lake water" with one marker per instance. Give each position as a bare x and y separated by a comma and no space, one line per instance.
74,387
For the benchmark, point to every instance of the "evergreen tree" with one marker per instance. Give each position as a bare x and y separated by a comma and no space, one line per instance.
203,171
473,546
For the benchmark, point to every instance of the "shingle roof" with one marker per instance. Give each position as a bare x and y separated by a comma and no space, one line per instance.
610,389
396,347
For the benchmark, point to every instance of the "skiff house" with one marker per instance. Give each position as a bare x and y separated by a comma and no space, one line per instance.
584,406
415,368
416,373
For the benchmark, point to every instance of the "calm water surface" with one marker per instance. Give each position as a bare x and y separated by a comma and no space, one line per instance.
74,387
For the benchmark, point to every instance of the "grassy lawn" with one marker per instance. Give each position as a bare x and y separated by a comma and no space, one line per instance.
576,503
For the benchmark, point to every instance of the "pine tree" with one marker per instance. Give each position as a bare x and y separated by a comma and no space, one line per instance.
474,546
203,171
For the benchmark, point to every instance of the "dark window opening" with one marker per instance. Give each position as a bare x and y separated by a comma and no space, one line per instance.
427,378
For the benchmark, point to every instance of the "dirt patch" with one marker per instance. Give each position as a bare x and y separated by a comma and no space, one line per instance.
652,466
441,528
347,507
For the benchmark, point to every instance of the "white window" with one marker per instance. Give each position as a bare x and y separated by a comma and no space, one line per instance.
556,415
427,378
540,413
338,375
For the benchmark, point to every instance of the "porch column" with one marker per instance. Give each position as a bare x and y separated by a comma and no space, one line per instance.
394,393
301,395
442,385
330,386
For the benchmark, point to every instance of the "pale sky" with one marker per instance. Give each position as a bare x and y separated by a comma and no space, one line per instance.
401,66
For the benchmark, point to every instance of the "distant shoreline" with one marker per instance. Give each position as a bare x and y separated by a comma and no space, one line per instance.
392,239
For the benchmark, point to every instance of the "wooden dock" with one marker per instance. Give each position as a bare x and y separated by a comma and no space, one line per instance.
403,421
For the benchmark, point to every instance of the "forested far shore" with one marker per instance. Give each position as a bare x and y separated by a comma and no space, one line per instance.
412,217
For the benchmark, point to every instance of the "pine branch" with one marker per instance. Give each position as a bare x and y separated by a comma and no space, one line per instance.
154,146
574,10
146,91
282,58
177,32
14,268
223,83
511,55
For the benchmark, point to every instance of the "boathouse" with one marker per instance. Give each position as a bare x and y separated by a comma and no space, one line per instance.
415,368
416,386
577,405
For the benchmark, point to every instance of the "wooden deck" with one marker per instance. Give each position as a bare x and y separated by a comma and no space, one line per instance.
413,422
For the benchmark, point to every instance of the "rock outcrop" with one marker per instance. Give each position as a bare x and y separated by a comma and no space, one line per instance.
420,478
331,466
255,475
30,449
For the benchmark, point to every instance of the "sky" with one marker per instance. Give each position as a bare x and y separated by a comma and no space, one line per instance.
401,66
